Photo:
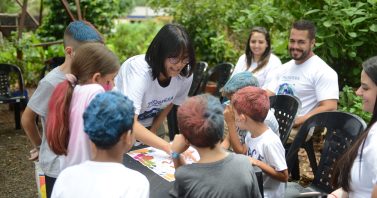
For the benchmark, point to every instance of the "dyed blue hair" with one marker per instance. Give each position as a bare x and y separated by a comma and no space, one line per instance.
83,31
107,117
238,81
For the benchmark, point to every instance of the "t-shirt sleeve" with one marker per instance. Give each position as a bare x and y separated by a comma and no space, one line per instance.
370,153
40,98
274,65
327,86
183,90
240,65
133,80
275,155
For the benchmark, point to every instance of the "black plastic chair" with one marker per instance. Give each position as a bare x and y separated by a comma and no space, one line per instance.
342,129
199,74
285,108
10,75
219,74
194,90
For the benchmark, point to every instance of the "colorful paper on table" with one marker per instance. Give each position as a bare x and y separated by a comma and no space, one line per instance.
160,162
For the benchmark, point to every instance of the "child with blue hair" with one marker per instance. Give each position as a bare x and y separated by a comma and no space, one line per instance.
108,122
76,34
235,137
217,173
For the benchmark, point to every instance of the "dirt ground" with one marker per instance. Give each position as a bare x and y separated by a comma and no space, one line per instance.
16,171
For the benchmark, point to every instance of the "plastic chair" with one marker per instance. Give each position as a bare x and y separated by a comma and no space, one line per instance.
9,75
199,74
342,129
285,108
219,74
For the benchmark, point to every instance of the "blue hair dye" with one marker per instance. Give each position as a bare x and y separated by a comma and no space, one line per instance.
214,115
107,117
238,81
81,31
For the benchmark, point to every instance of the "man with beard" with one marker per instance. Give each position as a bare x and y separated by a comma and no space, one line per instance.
307,76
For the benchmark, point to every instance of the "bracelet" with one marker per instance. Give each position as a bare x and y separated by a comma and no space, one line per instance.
175,155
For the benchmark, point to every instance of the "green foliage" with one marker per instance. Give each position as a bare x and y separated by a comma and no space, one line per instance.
346,29
220,28
132,38
33,57
350,102
101,13
8,7
346,35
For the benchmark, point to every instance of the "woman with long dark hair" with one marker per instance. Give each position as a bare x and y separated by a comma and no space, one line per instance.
158,80
258,58
356,171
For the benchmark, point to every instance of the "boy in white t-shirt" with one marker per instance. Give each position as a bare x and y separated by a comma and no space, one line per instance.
251,105
108,121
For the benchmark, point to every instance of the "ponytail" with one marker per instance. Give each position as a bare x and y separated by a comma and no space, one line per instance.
57,126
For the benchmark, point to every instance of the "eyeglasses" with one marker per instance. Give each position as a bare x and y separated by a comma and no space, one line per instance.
175,60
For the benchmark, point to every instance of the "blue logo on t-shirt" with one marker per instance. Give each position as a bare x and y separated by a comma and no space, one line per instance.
149,114
286,89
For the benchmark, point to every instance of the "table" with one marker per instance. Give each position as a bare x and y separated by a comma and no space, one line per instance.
159,187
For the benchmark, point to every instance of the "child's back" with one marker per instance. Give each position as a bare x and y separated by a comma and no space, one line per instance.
231,177
101,180
108,122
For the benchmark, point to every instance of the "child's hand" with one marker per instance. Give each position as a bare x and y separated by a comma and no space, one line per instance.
34,154
229,114
253,161
179,144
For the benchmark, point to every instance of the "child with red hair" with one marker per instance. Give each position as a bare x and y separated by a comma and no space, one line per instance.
217,173
251,105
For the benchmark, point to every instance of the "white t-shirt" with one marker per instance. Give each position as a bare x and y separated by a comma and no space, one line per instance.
263,75
135,81
100,180
364,172
268,148
79,143
312,81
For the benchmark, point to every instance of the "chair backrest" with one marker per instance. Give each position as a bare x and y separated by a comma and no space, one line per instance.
8,74
342,129
285,108
51,64
199,74
219,73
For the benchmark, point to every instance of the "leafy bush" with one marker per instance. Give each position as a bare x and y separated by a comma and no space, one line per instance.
33,57
350,102
132,38
101,13
345,29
